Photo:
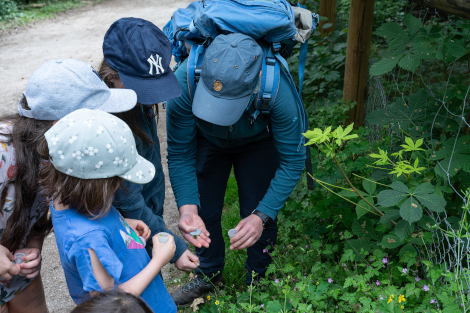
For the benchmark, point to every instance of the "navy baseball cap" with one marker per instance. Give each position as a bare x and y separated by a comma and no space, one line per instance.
230,74
141,54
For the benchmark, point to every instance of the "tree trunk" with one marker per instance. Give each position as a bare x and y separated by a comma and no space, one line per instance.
357,57
328,9
456,7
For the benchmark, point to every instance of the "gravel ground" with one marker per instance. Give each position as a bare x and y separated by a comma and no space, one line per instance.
77,34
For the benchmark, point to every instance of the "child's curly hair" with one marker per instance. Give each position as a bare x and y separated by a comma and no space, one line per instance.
115,301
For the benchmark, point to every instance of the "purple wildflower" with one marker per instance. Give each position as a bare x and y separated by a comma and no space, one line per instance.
417,279
433,301
295,288
404,270
276,281
330,280
306,246
262,305
381,298
385,260
265,250
426,288
377,283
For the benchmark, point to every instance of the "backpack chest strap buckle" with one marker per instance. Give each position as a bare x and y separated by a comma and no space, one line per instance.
265,100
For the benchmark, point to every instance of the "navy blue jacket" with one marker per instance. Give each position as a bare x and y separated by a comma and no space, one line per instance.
145,202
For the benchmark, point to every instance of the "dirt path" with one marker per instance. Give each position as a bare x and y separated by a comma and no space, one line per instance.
76,34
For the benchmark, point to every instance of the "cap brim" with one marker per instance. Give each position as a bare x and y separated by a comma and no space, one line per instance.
219,111
120,100
141,173
152,91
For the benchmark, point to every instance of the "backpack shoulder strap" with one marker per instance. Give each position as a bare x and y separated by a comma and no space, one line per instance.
196,56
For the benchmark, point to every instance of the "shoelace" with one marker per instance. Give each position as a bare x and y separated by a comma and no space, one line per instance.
196,282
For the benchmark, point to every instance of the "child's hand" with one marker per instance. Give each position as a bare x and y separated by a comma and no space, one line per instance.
7,268
139,227
32,262
163,252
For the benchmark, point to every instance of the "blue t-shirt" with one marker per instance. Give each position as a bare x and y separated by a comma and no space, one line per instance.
118,248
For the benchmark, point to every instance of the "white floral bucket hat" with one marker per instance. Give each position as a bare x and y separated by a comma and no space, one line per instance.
91,144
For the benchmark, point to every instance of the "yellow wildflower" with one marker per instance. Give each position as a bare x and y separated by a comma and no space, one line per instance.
389,300
401,299
317,283
217,302
209,298
402,306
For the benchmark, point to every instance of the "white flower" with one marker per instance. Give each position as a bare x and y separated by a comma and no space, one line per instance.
71,121
89,122
99,165
114,121
73,138
62,157
60,152
152,172
110,150
100,130
108,146
139,174
116,160
128,176
69,171
126,128
123,139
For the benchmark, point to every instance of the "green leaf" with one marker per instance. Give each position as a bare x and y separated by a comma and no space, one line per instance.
389,216
399,186
390,31
369,186
383,66
391,241
410,62
426,222
362,204
456,49
408,249
389,198
411,211
327,25
403,229
412,23
423,189
433,202
274,307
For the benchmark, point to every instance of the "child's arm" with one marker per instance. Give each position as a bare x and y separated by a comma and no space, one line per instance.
161,254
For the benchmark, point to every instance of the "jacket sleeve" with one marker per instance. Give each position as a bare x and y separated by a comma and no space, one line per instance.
286,126
132,205
181,136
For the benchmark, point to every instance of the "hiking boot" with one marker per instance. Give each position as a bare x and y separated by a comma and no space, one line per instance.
186,294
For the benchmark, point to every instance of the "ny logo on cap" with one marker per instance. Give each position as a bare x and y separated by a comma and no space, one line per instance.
157,63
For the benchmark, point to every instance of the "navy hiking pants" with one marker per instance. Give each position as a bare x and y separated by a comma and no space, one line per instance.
255,165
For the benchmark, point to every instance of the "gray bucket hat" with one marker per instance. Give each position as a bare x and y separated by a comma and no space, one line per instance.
59,87
92,144
230,74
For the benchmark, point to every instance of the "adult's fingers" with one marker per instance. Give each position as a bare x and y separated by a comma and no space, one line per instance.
248,243
11,256
239,238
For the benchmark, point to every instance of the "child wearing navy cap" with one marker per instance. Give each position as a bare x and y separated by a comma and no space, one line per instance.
137,56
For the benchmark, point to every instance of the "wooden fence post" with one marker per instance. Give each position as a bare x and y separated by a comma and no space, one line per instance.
328,9
357,57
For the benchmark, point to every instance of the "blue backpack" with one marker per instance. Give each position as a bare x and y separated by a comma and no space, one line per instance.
276,25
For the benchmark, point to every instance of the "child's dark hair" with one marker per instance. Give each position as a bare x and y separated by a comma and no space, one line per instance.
91,197
114,301
26,136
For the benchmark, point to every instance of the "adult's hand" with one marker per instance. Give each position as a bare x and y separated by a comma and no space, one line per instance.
139,227
190,221
187,262
7,268
249,231
32,262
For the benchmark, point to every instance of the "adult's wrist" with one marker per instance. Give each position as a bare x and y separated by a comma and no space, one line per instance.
188,209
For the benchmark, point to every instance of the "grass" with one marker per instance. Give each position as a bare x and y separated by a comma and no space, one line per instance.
30,13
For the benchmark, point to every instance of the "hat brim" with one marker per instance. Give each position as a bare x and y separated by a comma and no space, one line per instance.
152,91
120,100
219,111
141,173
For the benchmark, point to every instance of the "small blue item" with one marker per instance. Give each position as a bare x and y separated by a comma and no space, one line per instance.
197,232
